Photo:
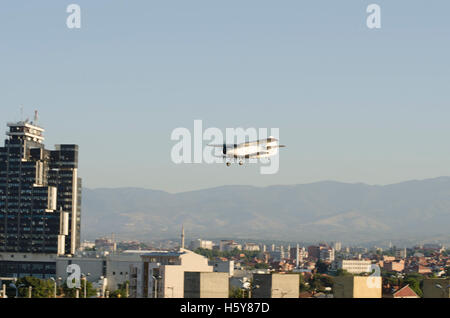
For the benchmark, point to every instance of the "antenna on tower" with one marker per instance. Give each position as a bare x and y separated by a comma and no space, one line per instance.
36,117
182,236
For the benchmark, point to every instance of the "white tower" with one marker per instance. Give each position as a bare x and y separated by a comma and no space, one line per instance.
182,236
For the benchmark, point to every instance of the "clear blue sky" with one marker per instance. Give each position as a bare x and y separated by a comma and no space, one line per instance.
352,104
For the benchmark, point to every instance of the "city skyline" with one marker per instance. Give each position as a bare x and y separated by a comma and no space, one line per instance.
224,150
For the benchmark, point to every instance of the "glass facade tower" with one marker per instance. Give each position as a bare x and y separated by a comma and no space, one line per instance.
40,194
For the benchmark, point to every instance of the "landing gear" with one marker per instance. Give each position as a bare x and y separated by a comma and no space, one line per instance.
241,162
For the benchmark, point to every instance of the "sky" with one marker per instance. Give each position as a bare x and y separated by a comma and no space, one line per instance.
353,104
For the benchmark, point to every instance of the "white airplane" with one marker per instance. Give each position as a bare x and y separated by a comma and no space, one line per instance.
263,148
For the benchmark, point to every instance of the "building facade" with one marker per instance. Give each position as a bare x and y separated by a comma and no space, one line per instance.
161,274
276,286
355,266
357,287
206,285
40,200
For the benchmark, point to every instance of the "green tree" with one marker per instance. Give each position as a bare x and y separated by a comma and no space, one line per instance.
343,272
71,292
304,285
322,267
236,292
41,288
261,266
120,292
414,284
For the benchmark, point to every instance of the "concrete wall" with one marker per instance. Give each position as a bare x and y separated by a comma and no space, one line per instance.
206,285
171,284
357,287
367,287
93,266
118,269
430,290
285,285
223,267
276,286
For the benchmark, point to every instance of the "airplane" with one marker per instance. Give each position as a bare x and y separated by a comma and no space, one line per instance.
262,148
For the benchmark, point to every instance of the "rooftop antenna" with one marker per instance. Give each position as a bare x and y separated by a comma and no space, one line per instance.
113,242
21,112
182,236
36,117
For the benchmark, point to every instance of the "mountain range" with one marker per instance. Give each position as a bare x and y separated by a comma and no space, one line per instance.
322,211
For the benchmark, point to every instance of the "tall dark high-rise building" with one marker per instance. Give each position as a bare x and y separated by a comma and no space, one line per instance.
40,194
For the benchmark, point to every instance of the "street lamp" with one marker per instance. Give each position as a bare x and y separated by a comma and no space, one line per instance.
127,287
54,286
85,282
102,291
155,282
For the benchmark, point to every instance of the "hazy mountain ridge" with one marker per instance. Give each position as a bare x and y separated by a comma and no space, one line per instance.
318,211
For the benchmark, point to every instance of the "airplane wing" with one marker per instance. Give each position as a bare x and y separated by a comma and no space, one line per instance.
229,146
252,155
257,142
277,146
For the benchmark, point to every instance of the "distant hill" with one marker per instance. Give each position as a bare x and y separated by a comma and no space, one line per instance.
318,211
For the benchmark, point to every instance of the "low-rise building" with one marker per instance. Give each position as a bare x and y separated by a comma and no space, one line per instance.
229,245
403,292
355,266
395,266
276,286
206,285
436,288
161,274
221,266
199,243
252,247
357,287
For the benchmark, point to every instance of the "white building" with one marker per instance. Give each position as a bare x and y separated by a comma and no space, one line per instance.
108,271
161,274
400,253
199,243
355,266
337,246
252,247
229,245
327,254
223,267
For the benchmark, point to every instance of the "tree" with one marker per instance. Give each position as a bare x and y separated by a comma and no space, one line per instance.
414,283
71,292
322,267
343,272
41,288
303,285
236,292
120,292
327,281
